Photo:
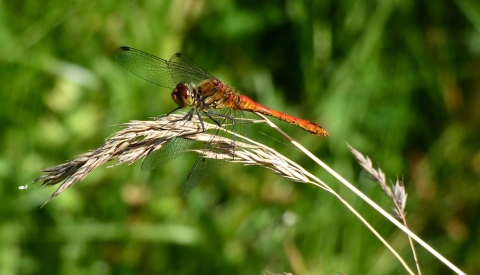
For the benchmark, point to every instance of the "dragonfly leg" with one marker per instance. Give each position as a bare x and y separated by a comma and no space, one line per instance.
214,120
189,116
201,121
160,116
209,114
176,109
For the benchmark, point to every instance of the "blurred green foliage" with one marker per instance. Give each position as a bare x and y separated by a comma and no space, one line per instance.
398,80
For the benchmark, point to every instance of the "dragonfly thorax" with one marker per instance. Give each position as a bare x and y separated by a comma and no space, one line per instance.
182,95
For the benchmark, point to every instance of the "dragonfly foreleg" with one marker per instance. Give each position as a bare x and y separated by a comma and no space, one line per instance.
176,109
189,117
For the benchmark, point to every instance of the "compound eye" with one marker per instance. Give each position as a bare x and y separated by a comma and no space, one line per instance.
182,95
182,90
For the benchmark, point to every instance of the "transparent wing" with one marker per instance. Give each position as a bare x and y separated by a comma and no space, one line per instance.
242,125
146,66
160,71
170,151
233,121
201,169
185,70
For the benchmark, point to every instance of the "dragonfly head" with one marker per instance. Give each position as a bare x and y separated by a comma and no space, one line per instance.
182,95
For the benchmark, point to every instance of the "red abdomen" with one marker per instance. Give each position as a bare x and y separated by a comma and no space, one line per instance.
245,103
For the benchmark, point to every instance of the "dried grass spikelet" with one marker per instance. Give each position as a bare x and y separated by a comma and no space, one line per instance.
396,193
139,138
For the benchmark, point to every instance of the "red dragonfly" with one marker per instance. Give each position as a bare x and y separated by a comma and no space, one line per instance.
208,97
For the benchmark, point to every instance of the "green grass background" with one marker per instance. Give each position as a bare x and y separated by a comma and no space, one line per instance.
398,80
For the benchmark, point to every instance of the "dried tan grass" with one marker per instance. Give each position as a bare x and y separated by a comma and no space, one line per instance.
397,197
396,193
139,138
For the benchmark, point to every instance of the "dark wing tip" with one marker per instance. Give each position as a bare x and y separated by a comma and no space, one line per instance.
178,55
124,48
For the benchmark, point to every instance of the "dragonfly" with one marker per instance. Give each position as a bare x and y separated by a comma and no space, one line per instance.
208,98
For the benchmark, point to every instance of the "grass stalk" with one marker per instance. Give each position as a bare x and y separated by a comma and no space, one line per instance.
138,139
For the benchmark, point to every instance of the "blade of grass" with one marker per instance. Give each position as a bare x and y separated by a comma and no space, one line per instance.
365,198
